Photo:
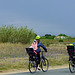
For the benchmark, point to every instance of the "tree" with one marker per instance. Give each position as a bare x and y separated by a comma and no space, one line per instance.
47,34
62,35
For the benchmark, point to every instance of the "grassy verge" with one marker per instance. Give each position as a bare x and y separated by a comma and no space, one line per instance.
22,63
14,56
58,61
13,63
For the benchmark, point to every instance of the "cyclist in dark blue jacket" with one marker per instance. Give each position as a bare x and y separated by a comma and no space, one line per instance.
39,44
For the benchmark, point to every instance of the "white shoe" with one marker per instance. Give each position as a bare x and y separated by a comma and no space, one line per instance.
39,68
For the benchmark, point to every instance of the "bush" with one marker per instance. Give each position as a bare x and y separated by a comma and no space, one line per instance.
61,40
62,35
47,37
15,35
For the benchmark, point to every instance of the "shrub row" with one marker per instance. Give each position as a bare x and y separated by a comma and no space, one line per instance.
15,35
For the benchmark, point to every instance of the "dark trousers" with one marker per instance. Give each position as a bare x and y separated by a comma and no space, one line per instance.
37,58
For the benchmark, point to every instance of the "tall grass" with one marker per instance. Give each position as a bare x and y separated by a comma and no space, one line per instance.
15,35
14,56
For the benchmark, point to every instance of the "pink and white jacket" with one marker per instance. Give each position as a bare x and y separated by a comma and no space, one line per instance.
34,45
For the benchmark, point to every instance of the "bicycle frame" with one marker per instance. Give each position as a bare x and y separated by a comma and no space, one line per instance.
33,63
42,56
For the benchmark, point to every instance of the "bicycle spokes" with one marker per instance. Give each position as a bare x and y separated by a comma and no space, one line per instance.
32,66
71,67
44,65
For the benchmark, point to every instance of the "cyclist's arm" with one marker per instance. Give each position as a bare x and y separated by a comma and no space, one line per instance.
43,47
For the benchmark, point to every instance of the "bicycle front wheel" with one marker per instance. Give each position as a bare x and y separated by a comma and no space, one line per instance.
32,66
44,65
71,66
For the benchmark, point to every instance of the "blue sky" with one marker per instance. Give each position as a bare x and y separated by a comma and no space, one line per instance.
43,16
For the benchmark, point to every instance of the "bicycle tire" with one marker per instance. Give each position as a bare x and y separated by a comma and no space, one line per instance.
44,65
71,66
32,66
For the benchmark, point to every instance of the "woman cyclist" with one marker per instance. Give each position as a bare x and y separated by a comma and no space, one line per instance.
38,50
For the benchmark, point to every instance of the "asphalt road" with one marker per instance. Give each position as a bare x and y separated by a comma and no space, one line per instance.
64,71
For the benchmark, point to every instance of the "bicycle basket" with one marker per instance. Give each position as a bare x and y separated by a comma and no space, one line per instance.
29,50
70,50
31,53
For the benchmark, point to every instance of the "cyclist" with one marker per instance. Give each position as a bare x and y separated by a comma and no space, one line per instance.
73,44
39,44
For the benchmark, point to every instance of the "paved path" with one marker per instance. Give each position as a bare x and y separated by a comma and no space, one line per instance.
64,71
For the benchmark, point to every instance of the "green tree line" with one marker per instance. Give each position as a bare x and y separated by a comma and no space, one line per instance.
15,35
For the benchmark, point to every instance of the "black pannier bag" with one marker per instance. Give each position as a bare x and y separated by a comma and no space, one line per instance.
29,50
70,49
71,53
31,53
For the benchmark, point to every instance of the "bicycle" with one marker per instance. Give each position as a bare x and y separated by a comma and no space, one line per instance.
71,58
33,64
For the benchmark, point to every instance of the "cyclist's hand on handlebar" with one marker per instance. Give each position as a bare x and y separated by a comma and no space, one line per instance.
46,51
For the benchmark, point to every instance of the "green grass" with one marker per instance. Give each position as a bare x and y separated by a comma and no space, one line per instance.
14,56
59,60
13,42
13,63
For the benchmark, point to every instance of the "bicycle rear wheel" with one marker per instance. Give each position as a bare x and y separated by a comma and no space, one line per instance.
71,66
44,65
32,66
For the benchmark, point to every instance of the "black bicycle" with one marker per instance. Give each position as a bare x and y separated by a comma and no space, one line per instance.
71,58
33,64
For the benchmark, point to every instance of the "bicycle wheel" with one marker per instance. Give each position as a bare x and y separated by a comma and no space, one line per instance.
71,66
32,66
44,65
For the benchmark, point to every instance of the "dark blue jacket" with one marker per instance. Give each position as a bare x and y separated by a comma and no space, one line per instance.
40,45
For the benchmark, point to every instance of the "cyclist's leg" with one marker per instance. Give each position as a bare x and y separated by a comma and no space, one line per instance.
35,57
38,55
